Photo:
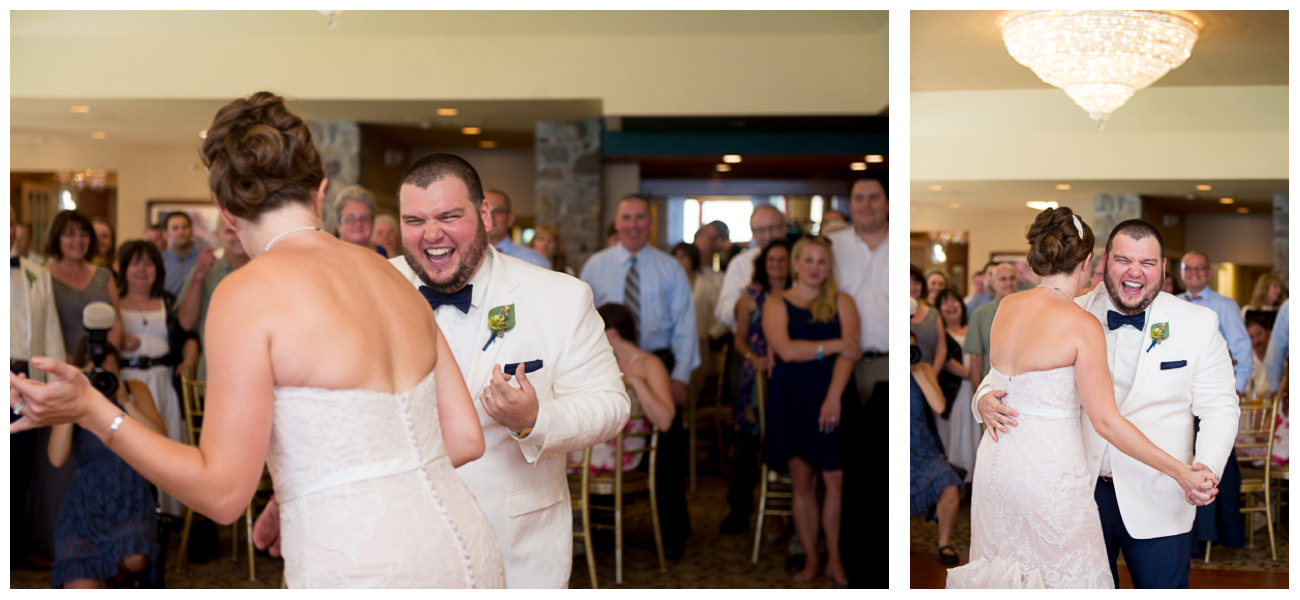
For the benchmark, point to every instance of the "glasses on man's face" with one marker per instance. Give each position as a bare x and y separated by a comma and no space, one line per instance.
1196,268
774,229
348,220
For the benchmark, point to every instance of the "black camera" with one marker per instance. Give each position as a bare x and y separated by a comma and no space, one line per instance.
916,354
98,318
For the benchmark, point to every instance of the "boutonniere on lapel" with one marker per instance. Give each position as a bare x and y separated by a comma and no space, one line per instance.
1159,333
500,320
31,277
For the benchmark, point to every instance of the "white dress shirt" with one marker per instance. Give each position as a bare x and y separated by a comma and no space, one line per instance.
740,273
1123,349
863,273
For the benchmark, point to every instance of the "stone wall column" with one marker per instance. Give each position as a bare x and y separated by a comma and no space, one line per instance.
339,144
568,185
1110,210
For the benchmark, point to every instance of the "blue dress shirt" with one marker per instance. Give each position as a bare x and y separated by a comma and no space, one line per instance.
1233,329
523,253
983,298
178,267
667,302
1279,344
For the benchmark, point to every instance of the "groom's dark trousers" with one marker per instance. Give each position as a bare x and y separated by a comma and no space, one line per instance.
1157,563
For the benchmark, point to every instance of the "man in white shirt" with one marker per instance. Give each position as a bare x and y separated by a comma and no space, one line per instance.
767,223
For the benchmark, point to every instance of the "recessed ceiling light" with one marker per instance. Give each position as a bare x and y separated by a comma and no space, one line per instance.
1037,205
1242,209
858,166
487,144
954,205
875,158
99,135
1064,187
731,158
1226,200
471,130
722,168
448,112
203,135
936,188
79,108
1204,187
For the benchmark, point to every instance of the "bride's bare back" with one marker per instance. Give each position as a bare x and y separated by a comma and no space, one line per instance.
1039,330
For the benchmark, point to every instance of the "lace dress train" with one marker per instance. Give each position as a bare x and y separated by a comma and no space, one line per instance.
1034,522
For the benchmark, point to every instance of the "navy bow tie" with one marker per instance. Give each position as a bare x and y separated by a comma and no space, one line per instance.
460,300
1117,320
13,262
1191,296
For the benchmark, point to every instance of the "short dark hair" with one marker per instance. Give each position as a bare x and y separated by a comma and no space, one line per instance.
950,293
1138,230
989,265
918,277
63,221
618,318
127,253
174,214
881,178
692,253
760,265
724,232
436,167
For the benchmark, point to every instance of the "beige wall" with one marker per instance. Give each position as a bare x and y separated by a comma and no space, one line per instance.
143,173
1240,239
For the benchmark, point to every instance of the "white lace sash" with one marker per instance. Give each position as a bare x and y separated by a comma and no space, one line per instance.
1049,413
297,489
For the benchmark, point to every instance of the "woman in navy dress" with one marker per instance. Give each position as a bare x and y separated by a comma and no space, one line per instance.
813,330
107,526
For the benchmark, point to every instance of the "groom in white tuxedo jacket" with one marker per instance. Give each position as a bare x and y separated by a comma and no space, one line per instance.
568,393
1169,363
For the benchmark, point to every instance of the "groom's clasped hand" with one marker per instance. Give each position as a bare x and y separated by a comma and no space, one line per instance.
1200,484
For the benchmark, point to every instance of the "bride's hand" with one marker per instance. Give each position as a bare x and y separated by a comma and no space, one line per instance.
65,398
1198,483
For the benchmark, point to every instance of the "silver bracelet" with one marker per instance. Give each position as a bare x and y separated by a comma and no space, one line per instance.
108,439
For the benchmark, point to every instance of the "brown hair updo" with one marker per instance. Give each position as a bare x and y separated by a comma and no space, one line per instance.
260,157
1055,245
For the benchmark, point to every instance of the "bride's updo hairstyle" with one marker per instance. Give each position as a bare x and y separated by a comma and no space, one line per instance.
1058,241
260,157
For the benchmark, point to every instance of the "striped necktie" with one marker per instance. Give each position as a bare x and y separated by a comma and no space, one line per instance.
632,296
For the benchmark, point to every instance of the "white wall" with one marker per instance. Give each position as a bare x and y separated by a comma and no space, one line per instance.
1241,239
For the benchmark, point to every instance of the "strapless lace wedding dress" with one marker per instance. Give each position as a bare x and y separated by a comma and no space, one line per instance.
1034,521
368,497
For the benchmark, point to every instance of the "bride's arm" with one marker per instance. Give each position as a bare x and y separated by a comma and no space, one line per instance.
218,478
1092,374
462,434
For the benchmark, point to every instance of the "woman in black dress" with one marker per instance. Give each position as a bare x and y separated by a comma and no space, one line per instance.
813,330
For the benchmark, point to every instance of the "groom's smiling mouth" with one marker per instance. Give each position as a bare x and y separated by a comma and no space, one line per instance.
1131,288
439,256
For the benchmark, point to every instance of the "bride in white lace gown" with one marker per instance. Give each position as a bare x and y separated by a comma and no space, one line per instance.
1034,522
324,362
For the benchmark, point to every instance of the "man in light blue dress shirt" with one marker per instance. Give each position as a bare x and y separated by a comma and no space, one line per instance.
666,325
1196,274
1279,345
503,218
182,252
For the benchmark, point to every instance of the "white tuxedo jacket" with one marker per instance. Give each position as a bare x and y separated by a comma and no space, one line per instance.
1164,398
521,484
33,319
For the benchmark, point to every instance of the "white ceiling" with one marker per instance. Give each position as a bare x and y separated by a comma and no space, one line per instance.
1011,196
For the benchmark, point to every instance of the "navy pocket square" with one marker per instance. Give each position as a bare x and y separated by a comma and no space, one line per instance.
529,367
1173,364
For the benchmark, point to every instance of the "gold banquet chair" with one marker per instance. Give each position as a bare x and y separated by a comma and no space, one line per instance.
705,409
192,401
579,497
617,485
1255,430
776,489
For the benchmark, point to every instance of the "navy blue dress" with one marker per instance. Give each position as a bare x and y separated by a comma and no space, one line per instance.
107,515
795,396
930,472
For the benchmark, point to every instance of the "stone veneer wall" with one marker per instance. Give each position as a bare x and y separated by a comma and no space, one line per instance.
339,144
568,185
1281,237
1110,210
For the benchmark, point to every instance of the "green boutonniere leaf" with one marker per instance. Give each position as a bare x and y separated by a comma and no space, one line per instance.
1159,333
500,320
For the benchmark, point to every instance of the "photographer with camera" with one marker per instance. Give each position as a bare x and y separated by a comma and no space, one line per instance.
934,483
106,529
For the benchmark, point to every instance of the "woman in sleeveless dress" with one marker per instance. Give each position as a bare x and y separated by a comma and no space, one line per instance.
648,386
1034,523
148,325
812,328
362,443
963,432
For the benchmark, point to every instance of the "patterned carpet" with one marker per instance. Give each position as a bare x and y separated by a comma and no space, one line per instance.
925,537
712,560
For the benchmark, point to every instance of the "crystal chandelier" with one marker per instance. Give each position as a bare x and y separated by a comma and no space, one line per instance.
1099,57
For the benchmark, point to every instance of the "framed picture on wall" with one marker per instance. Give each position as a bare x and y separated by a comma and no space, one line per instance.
203,215
1024,275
